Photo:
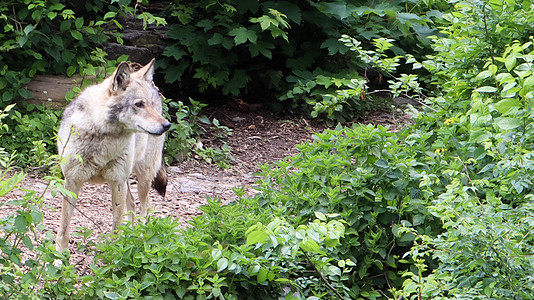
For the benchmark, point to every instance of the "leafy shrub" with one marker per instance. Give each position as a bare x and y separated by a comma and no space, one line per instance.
371,178
46,36
30,131
156,259
32,276
222,46
486,205
187,128
473,32
486,130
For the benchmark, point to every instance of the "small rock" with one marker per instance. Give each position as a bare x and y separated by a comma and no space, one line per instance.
238,119
175,169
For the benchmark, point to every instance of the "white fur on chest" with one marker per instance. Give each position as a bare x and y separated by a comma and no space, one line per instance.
98,158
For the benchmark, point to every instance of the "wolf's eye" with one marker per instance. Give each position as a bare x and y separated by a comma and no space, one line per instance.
140,103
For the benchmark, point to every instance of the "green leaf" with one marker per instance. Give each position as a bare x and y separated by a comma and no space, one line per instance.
242,34
173,73
222,264
262,275
486,89
510,61
257,236
435,13
27,242
339,10
508,123
483,75
292,11
529,82
110,14
488,290
29,28
216,39
76,34
65,25
334,46
310,246
68,56
404,18
319,215
261,47
21,40
71,70
265,22
507,105
236,83
51,15
174,52
216,254
58,41
324,81
112,295
24,93
78,23
204,119
21,223
479,136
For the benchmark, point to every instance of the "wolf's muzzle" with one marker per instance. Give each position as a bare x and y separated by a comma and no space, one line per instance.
164,127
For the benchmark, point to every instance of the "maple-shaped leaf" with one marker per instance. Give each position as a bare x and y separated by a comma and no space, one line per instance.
242,34
334,46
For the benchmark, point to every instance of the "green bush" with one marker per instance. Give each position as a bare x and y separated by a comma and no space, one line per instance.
216,47
47,37
487,204
156,259
290,48
486,129
371,178
33,275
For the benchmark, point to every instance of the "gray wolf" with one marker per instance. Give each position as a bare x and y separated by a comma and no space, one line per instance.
110,131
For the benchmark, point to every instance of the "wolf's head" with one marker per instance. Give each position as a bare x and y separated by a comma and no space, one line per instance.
135,102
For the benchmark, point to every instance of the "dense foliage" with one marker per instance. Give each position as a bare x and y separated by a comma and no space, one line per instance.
272,52
441,209
290,48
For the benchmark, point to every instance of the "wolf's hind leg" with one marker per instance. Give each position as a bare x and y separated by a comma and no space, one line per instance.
67,208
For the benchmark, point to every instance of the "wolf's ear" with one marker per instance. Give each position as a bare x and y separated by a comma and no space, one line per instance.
147,72
120,78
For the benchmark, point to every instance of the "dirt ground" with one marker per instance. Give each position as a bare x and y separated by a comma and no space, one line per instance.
258,137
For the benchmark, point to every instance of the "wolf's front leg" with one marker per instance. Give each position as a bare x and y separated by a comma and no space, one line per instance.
67,208
119,194
143,187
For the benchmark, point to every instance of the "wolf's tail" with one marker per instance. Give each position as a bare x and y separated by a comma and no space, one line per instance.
159,183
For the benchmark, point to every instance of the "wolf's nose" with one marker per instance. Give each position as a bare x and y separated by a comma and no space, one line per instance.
166,126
